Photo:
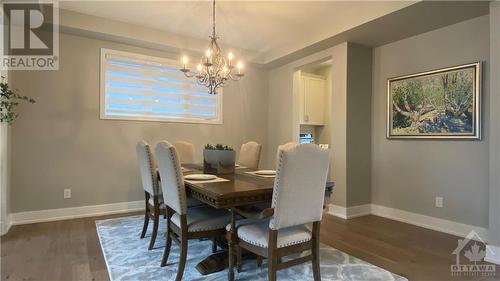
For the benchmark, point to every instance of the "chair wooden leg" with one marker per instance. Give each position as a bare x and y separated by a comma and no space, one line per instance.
155,231
146,223
238,259
168,245
230,246
271,268
214,245
259,261
146,215
183,257
315,252
272,257
230,267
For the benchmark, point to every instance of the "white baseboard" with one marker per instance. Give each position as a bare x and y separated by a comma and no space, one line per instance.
338,211
349,212
493,256
442,225
75,212
358,211
5,225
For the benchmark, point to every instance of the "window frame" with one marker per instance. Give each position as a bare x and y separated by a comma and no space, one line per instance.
164,61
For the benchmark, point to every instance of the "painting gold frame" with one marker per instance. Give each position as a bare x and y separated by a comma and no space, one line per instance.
476,103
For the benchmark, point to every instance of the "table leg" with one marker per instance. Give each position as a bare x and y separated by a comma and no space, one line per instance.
231,238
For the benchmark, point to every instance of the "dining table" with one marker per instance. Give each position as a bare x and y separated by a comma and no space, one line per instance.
241,188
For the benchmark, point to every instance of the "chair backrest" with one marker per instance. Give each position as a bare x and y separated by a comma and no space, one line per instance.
147,166
299,186
172,182
185,151
250,155
281,147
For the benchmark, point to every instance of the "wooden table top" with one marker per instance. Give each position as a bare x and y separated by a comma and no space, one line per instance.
241,189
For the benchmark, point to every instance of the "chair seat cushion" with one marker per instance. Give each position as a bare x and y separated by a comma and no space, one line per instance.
256,232
204,218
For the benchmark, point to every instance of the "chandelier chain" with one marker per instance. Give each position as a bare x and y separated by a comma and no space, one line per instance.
213,19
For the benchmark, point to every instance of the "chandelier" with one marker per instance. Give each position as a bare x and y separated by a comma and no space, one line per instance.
214,69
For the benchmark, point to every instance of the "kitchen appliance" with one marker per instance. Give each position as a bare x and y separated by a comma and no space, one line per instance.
306,138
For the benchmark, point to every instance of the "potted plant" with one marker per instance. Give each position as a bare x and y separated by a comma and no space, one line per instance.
218,159
9,100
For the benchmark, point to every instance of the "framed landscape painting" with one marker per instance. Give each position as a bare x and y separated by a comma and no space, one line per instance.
439,104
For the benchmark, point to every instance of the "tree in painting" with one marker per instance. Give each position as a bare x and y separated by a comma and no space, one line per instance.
436,104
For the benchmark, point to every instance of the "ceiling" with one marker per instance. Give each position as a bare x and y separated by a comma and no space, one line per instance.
270,29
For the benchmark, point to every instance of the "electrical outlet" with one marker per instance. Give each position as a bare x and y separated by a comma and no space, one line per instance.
439,202
67,193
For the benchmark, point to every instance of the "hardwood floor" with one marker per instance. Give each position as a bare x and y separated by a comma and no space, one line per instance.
69,250
411,251
54,251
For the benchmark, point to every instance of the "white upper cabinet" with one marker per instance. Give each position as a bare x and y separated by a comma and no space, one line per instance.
312,99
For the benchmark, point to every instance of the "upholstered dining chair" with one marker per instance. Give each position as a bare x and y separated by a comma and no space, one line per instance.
185,151
297,200
250,155
150,183
182,222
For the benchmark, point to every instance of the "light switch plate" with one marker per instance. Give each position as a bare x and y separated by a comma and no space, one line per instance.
439,202
67,193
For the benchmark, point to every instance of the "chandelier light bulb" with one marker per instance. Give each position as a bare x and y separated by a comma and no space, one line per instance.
185,60
199,67
240,67
208,53
230,56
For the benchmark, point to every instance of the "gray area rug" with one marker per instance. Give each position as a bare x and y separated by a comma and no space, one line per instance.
127,258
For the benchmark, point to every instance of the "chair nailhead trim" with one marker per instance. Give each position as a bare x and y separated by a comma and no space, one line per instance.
279,246
180,183
154,175
273,222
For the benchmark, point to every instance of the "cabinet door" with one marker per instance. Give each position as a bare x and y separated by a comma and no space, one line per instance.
302,101
314,101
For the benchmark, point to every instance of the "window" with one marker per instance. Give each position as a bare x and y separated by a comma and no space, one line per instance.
138,87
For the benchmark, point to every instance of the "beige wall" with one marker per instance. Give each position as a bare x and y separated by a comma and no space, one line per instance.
59,142
494,129
359,92
338,164
280,127
409,174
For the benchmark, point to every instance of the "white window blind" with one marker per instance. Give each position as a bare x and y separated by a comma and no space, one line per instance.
138,87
